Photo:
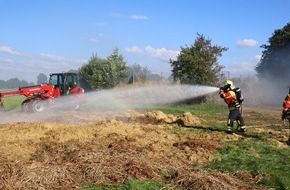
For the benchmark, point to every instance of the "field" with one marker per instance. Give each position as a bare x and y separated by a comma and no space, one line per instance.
165,147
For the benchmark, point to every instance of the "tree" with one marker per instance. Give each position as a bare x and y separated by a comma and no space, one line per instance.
198,63
274,67
99,73
24,83
13,83
121,66
138,73
104,73
275,62
2,84
73,71
41,78
156,77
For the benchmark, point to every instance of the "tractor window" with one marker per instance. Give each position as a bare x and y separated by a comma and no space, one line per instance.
71,80
60,79
53,79
56,79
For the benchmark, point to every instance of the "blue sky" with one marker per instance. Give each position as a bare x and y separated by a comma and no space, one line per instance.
46,36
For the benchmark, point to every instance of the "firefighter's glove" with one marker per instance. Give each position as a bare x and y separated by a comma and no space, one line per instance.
221,93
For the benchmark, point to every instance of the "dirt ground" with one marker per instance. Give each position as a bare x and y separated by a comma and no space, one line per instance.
71,150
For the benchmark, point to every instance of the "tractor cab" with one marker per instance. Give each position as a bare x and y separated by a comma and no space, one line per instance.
64,83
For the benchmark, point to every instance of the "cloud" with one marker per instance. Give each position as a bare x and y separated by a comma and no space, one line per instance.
28,67
101,24
66,61
134,49
247,43
139,17
52,57
244,68
8,50
116,15
162,53
4,60
93,40
134,16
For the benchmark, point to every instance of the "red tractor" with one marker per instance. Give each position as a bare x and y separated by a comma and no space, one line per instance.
41,96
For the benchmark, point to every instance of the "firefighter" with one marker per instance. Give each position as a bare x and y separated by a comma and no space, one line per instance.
233,98
286,106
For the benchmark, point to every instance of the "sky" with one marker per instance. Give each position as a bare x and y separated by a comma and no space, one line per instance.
49,36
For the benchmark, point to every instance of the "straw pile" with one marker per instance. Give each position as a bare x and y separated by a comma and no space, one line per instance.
38,155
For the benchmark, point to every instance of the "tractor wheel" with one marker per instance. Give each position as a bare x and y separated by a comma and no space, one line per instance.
25,105
38,105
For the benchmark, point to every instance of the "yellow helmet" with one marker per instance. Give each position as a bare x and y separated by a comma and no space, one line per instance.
229,83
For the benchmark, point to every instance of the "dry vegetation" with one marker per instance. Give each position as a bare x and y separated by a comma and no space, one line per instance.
62,155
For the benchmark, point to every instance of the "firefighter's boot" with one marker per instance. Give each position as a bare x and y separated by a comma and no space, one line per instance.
229,130
241,129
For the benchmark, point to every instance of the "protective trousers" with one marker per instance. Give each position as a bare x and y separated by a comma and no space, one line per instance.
235,115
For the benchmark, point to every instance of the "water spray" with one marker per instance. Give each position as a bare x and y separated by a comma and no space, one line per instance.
112,100
146,96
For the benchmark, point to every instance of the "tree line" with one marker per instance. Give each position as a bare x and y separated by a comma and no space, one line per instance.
15,82
100,73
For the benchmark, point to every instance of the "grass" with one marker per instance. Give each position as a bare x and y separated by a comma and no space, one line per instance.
201,110
256,157
255,118
13,102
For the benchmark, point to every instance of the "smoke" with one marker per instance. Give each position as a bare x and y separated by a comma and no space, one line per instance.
274,80
105,103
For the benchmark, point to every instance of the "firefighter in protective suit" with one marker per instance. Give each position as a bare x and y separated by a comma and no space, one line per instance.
286,106
233,98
